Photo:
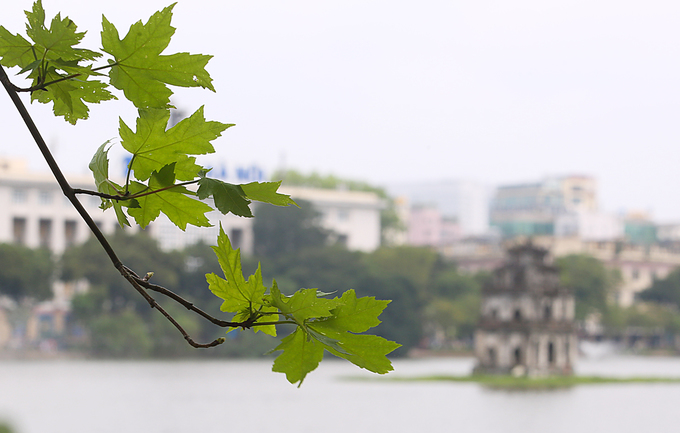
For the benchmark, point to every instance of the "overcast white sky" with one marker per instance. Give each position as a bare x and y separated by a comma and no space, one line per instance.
385,91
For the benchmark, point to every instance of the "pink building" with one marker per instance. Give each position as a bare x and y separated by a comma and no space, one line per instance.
427,226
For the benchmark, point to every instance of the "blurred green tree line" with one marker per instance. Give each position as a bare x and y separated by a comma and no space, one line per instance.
434,305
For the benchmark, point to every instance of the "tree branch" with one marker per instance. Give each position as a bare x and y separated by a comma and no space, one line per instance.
56,171
138,283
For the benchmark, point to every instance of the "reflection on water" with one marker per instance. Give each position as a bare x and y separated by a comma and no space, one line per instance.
169,397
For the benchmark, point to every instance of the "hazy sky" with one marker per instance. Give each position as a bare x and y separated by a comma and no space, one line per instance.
386,91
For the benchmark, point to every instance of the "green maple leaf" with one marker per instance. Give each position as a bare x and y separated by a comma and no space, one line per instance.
301,355
240,296
331,326
365,351
100,169
15,50
237,198
227,197
53,62
60,39
356,314
69,96
302,305
153,146
351,316
174,201
266,192
141,71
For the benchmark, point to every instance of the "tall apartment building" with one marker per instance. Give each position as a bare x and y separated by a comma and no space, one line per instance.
557,206
466,202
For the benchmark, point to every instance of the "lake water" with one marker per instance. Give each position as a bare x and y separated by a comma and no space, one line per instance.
245,396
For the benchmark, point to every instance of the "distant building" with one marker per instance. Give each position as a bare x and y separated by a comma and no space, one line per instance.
557,206
640,229
466,202
34,211
427,226
354,216
590,225
668,233
527,318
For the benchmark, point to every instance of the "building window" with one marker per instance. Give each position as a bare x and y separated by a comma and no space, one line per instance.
19,195
45,233
492,356
342,240
236,238
45,197
518,315
635,273
70,232
551,353
517,356
547,312
19,231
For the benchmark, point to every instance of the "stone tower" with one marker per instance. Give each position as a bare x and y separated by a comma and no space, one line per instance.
526,324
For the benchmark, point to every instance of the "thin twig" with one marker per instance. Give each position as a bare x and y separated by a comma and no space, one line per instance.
42,84
132,196
153,304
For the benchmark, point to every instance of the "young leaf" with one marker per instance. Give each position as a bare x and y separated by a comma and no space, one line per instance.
365,351
237,198
15,50
53,62
59,40
240,296
301,355
173,201
139,69
153,147
227,197
266,192
236,292
356,314
303,305
69,96
100,169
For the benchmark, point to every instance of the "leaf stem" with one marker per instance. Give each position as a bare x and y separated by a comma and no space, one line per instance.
131,196
41,78
127,175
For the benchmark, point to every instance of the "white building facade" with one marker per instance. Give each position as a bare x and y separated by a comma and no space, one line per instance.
34,212
354,216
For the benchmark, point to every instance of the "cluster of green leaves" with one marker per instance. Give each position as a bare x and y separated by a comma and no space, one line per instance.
163,164
323,324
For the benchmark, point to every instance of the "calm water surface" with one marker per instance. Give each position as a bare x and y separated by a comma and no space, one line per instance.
244,396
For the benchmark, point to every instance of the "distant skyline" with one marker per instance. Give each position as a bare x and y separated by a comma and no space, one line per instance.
396,91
